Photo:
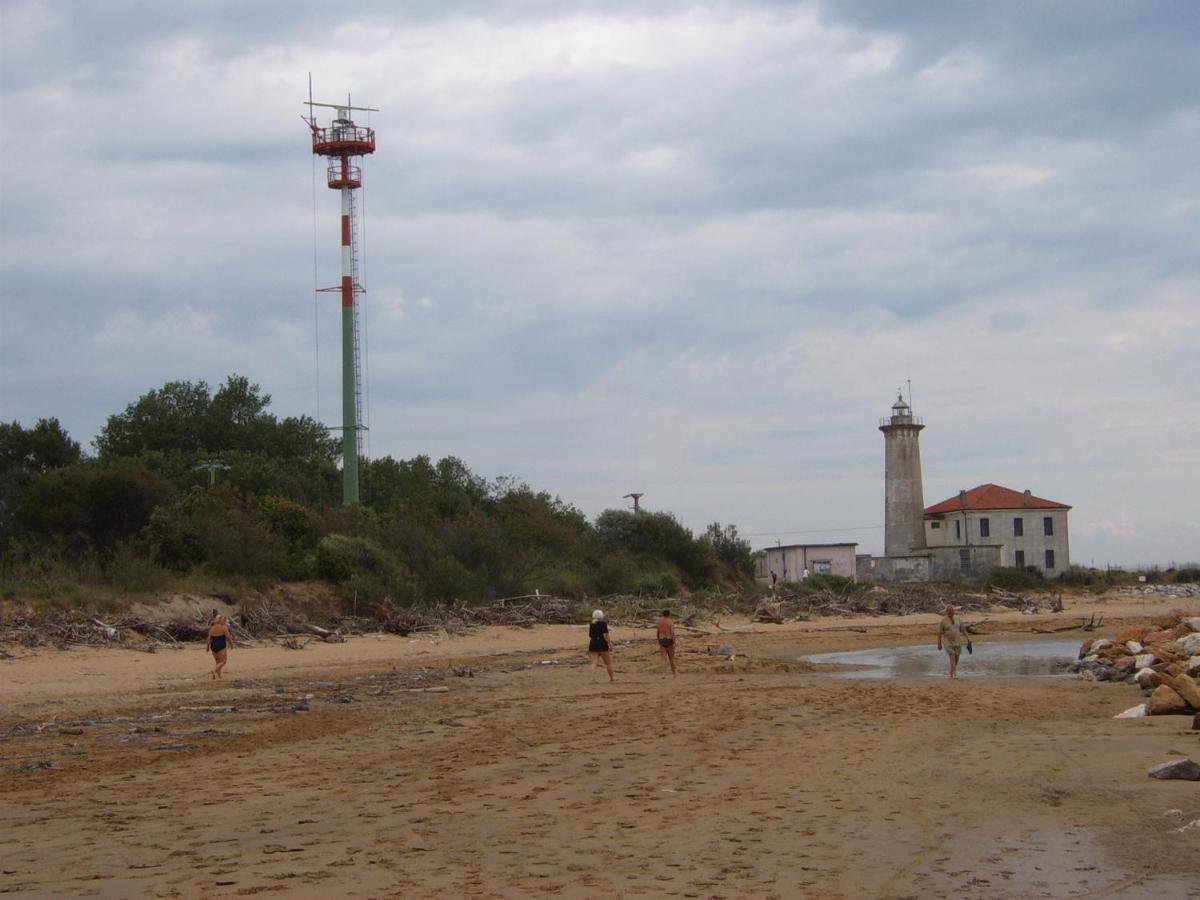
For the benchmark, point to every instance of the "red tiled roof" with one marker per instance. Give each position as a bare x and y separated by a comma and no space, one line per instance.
993,496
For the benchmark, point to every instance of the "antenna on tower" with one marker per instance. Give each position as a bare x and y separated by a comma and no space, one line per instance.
910,406
635,497
340,143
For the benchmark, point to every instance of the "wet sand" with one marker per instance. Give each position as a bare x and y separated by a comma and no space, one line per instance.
755,777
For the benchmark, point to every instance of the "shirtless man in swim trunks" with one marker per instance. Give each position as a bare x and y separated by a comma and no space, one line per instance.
666,641
220,640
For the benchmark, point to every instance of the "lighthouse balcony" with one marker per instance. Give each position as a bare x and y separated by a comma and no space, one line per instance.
340,176
343,140
889,421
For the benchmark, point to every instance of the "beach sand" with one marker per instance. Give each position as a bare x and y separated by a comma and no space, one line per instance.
751,777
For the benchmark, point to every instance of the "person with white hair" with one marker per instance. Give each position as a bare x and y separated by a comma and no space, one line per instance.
600,644
950,638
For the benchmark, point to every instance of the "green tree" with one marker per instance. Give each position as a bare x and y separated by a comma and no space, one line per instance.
171,419
39,449
98,503
730,549
26,453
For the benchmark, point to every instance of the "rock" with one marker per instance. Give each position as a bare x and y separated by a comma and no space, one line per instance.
1131,633
1147,678
1172,669
1133,647
1189,644
1193,623
1193,665
1099,644
1165,702
1170,652
1134,712
1164,622
1084,648
1183,769
1144,660
1124,664
1186,688
1196,723
1159,637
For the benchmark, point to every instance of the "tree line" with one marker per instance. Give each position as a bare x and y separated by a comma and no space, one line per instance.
190,481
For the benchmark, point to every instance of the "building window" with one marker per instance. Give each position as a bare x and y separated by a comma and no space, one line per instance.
1018,527
985,528
822,566
1019,557
1048,525
935,524
964,560
1049,558
958,529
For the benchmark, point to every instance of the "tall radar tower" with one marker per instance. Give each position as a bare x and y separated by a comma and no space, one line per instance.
342,142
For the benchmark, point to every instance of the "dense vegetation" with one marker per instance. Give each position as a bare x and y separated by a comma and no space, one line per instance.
188,482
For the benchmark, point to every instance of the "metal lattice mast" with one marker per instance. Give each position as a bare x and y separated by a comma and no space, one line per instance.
341,143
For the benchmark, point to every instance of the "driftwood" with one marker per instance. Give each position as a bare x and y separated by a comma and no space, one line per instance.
973,627
1082,625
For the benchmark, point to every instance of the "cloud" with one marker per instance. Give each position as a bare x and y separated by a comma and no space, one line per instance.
683,248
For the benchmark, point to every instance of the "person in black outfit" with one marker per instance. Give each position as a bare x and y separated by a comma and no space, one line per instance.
220,639
599,644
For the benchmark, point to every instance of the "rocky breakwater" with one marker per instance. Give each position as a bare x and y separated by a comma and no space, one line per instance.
1163,659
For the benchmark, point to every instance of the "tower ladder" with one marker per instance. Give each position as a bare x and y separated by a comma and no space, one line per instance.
358,291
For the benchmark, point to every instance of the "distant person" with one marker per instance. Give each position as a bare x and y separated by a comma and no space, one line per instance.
666,641
950,638
804,575
220,640
600,645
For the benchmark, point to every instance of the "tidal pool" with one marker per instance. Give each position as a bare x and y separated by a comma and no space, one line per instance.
1004,659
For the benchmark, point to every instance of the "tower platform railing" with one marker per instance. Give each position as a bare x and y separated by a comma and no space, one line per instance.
339,176
889,421
343,140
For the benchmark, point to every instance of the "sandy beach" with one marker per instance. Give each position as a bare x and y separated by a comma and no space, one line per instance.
489,765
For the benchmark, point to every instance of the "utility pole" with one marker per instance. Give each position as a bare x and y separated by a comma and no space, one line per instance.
212,466
635,497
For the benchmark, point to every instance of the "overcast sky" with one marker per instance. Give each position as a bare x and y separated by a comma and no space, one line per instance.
685,249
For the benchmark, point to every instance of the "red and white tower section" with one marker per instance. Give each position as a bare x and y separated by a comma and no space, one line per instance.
342,143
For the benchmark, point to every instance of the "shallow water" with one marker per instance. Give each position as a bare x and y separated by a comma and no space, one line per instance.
1003,659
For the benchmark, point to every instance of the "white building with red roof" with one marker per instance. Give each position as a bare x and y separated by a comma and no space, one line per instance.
1023,529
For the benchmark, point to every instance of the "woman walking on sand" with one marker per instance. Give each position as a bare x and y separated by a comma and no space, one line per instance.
665,632
599,645
220,640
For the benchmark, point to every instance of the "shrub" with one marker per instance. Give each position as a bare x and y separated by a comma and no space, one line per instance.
1013,579
1078,576
657,584
361,566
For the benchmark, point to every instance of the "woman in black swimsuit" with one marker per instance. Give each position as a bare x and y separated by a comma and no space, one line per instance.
599,644
220,640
